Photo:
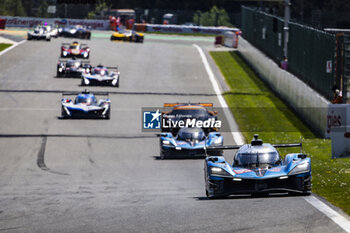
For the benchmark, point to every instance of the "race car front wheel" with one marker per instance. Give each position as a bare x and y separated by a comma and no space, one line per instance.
64,115
108,113
164,154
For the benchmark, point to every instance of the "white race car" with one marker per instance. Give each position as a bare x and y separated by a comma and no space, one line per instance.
52,29
102,75
40,32
85,105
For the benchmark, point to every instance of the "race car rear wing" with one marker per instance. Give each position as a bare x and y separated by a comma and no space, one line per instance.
84,92
112,68
236,147
167,105
68,44
82,61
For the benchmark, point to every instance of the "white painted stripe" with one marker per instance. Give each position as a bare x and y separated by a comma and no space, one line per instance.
12,47
329,212
237,136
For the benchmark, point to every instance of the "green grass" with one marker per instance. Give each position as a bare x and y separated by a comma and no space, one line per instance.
258,110
4,46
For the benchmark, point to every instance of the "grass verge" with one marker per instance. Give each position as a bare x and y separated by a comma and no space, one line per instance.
258,110
4,46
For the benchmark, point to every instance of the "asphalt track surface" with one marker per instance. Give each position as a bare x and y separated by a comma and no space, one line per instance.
105,175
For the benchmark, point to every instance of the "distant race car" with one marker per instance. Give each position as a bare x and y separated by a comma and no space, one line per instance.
101,75
75,31
257,169
189,143
188,111
128,35
85,105
72,68
39,33
52,29
75,49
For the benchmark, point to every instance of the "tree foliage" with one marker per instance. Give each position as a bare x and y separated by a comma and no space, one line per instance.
12,8
42,10
101,5
215,17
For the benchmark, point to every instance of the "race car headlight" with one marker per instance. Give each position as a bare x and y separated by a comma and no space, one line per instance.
86,81
301,168
216,171
218,140
165,142
85,54
87,70
73,31
114,82
64,53
60,69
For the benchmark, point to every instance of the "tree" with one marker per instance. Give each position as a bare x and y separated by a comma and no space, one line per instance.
215,17
12,8
42,10
101,5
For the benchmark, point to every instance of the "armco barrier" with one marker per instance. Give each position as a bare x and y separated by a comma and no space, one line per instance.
29,22
310,106
188,29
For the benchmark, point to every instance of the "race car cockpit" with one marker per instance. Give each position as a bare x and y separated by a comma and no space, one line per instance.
85,99
191,134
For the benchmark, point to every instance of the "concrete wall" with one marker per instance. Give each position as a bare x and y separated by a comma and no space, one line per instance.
311,106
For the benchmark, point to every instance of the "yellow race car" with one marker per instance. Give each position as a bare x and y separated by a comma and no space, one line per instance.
128,35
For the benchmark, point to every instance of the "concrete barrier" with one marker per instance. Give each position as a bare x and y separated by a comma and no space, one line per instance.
310,105
188,29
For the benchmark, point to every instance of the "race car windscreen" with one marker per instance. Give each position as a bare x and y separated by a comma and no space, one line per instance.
256,159
191,134
100,71
73,63
74,46
88,100
189,113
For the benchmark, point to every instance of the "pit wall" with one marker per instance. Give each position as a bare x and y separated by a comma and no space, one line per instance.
310,106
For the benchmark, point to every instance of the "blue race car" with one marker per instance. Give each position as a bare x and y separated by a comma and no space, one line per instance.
86,105
257,169
189,143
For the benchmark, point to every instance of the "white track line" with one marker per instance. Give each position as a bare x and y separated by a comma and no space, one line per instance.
329,212
12,47
237,136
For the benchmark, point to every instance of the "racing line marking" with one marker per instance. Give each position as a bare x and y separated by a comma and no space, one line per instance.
237,136
11,47
329,212
340,220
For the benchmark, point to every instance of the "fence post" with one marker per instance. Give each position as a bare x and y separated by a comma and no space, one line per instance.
286,26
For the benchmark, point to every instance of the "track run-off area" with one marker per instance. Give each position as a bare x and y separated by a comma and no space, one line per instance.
105,175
